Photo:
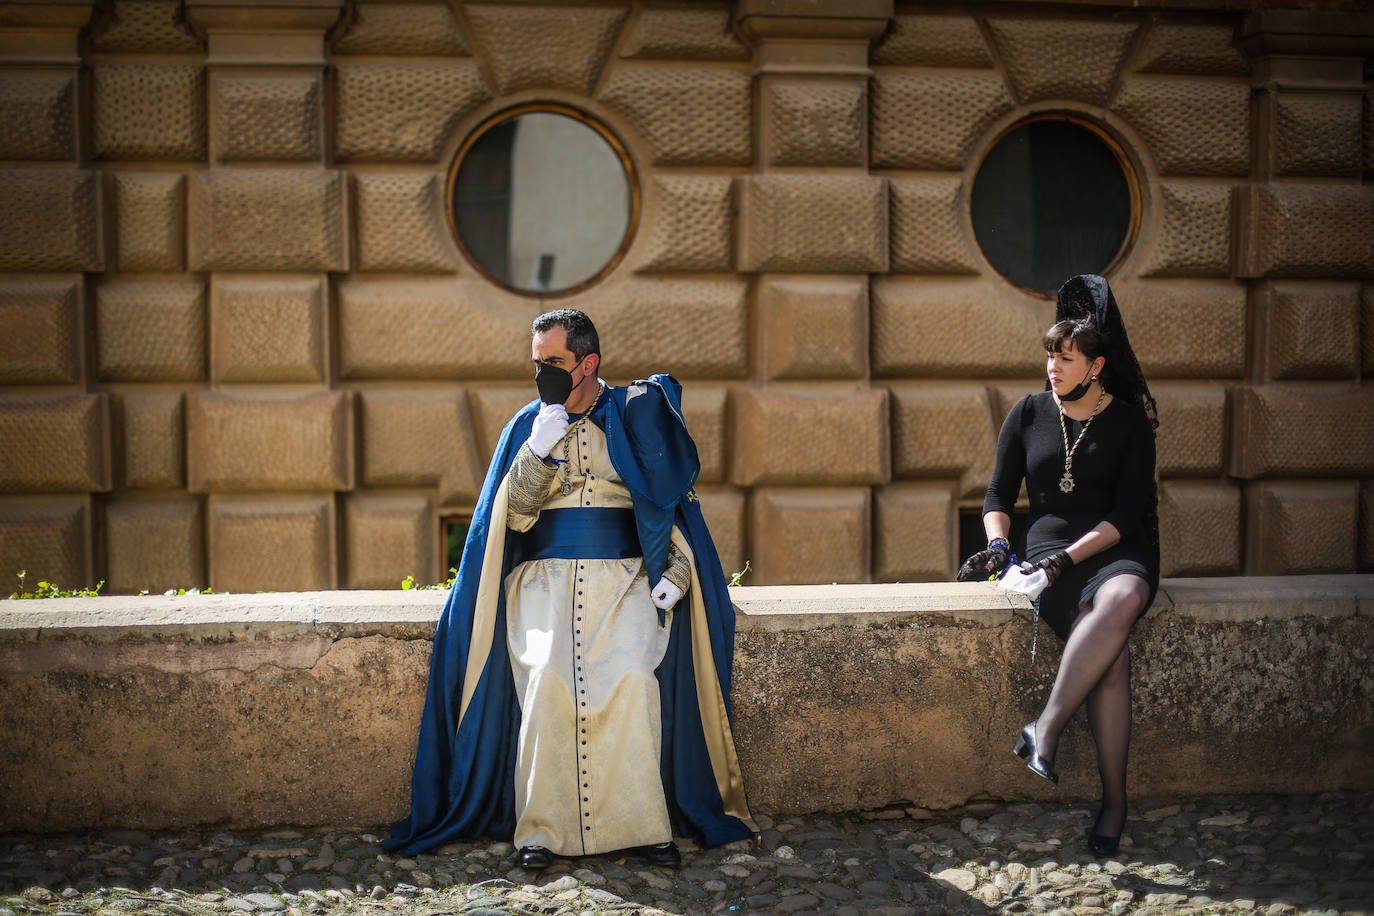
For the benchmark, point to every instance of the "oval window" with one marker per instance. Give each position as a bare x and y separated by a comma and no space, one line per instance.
1053,198
543,200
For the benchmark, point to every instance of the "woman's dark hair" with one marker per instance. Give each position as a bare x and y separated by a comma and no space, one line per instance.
1078,331
582,337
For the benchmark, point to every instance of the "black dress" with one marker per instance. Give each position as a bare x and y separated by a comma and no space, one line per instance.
1114,477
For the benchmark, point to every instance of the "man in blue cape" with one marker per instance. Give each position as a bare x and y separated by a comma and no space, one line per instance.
571,707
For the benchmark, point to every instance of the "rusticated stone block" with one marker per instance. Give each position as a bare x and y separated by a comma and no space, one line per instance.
928,120
1302,528
1366,557
1200,49
811,436
717,311
700,33
277,441
515,43
495,405
386,538
1194,330
813,224
402,112
914,533
152,440
1306,230
51,221
401,224
264,117
950,314
688,115
1193,231
1199,528
403,29
943,429
49,539
150,330
1308,431
1006,395
154,545
146,25
1307,330
148,111
42,339
1369,131
815,122
691,221
38,115
298,220
814,328
150,225
1191,438
1061,58
421,438
1367,328
933,41
54,443
724,511
1192,127
703,409
808,536
1316,133
282,544
268,329
927,236
430,329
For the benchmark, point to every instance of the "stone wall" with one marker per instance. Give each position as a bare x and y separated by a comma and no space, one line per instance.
241,346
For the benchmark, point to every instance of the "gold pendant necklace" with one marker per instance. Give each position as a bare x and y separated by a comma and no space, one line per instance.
566,487
1066,483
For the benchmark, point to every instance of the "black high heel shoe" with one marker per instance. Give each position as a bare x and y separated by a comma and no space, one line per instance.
1025,748
1100,843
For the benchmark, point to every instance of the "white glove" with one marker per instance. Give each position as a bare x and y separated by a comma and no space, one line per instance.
550,426
665,594
1030,585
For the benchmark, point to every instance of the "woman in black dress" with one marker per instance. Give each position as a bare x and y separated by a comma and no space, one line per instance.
1086,450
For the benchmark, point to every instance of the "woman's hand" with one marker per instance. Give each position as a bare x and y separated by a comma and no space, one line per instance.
1053,565
986,563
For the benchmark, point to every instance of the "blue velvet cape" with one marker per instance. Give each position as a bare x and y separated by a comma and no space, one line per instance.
463,786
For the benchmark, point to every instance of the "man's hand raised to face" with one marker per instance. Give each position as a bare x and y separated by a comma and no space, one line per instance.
549,427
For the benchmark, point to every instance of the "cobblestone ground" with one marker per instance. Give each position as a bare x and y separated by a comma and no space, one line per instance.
1271,855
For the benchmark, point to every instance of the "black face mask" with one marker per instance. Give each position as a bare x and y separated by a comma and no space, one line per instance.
555,383
1080,389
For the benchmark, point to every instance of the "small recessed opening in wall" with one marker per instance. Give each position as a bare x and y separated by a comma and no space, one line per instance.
543,200
1054,197
454,531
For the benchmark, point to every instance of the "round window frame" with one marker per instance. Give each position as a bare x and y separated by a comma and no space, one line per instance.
1118,150
626,163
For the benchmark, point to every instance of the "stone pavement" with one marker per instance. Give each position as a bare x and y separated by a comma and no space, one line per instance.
1271,854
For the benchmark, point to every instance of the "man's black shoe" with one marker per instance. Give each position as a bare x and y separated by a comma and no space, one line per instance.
535,857
662,854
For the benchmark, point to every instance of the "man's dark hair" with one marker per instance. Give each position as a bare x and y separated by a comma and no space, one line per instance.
582,337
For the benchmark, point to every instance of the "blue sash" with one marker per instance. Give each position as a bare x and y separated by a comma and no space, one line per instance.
582,534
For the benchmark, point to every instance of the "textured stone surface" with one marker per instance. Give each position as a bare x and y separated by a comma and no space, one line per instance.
1199,528
495,405
421,438
690,226
150,221
724,509
1306,230
154,544
51,220
927,227
703,409
267,117
1302,431
283,544
1191,127
814,328
145,25
269,441
148,111
914,533
1192,428
38,115
929,120
54,443
299,220
150,330
813,223
402,111
1202,49
1185,330
403,29
515,40
1367,328
1307,330
43,338
1061,58
809,535
701,32
47,538
687,115
1192,234
1366,556
401,224
812,436
815,122
944,430
386,538
269,329
706,322
151,438
1316,133
1297,528
916,40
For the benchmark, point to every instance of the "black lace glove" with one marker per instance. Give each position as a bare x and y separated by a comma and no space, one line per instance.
1053,565
986,563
